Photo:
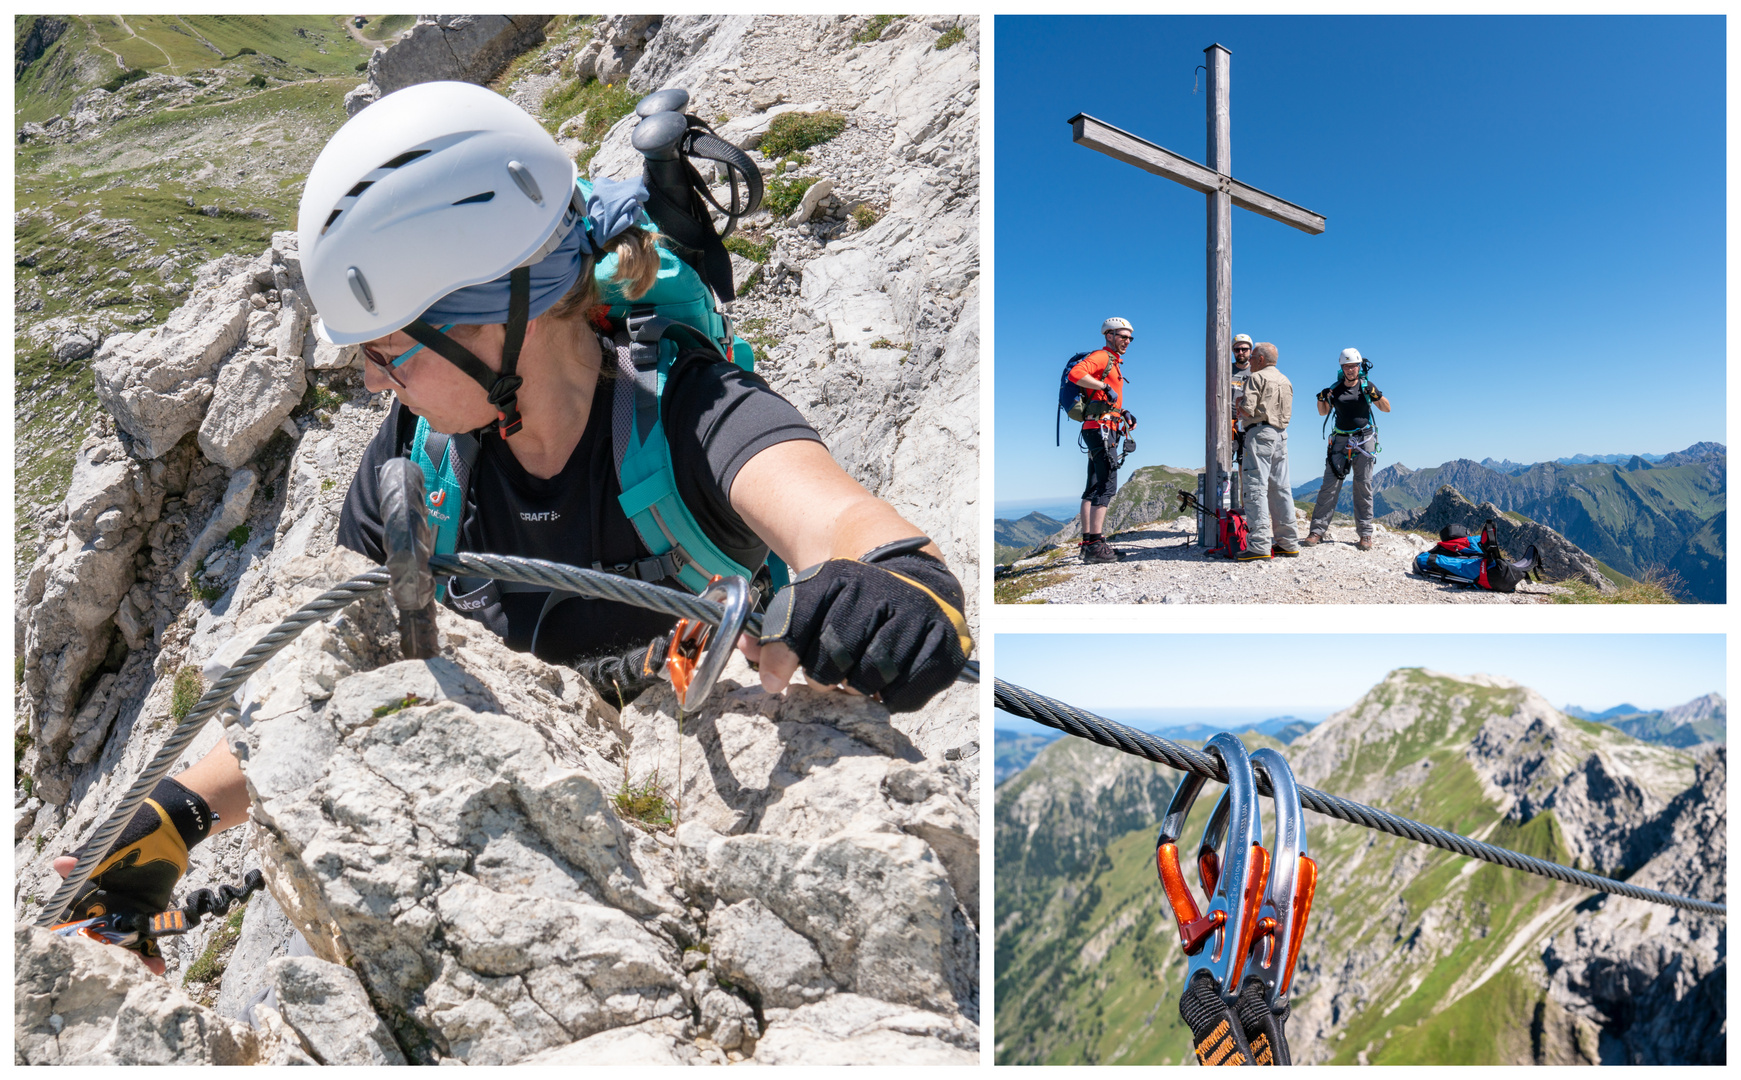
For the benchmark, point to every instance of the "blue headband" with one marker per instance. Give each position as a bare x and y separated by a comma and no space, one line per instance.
611,207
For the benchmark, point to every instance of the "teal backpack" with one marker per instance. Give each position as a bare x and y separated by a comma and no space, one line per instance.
679,313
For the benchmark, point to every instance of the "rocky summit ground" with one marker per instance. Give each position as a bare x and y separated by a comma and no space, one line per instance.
1163,565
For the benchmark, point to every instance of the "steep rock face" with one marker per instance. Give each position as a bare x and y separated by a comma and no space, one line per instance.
74,591
1561,559
461,48
515,912
1653,978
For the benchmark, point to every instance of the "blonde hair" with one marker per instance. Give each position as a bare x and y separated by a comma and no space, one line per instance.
637,252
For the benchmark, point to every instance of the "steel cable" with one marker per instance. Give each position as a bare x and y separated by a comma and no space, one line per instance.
603,586
1020,701
552,575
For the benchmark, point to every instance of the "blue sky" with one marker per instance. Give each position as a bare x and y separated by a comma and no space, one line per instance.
1314,674
1525,229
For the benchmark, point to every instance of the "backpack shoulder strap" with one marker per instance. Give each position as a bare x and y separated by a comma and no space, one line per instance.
646,349
447,463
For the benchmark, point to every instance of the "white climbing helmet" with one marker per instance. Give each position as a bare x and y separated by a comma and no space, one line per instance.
433,188
1116,323
1349,356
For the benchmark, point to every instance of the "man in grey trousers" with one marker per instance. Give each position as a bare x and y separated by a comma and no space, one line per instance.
1353,448
1264,413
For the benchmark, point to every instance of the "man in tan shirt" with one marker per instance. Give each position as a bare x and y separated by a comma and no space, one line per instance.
1269,502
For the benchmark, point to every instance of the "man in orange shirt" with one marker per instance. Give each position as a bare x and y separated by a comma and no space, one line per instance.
1099,374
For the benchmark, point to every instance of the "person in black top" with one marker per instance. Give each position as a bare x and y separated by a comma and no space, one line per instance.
1353,447
438,231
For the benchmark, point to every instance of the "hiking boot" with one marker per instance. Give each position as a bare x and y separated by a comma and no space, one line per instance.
1283,553
1252,556
1312,540
1365,543
1099,552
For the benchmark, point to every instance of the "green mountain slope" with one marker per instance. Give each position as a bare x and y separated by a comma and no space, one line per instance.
1413,955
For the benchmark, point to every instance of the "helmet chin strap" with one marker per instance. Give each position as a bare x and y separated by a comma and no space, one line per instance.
503,387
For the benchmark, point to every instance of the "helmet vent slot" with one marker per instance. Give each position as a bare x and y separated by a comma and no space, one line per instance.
405,159
362,186
330,218
481,197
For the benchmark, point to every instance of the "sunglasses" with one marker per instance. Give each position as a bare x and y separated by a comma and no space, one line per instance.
388,363
1122,337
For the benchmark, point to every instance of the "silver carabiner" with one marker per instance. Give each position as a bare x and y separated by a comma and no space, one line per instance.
693,686
1231,880
1293,879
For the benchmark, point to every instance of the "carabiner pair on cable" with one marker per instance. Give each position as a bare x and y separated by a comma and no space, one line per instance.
1258,901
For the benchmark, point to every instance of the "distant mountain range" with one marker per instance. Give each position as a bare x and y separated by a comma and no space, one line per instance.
1636,513
1702,720
1015,749
1015,538
1413,955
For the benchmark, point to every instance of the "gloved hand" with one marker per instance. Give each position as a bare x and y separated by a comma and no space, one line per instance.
888,623
1129,418
139,874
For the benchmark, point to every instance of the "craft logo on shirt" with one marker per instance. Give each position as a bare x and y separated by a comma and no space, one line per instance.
540,515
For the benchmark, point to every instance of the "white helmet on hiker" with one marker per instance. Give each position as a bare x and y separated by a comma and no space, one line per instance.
1116,323
433,188
1349,356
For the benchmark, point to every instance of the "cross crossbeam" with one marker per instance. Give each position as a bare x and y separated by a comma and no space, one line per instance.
1145,155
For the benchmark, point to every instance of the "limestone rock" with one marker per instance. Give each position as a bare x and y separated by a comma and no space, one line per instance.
231,512
76,585
847,1029
254,394
463,48
329,1009
753,948
655,1042
156,383
81,1003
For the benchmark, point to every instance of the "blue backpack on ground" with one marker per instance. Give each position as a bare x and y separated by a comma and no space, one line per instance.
1461,559
677,315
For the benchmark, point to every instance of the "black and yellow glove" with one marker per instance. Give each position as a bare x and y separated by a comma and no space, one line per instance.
888,623
139,874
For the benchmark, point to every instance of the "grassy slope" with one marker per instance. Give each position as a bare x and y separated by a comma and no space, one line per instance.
93,216
1094,975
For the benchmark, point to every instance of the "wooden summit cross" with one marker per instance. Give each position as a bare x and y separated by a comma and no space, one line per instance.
1224,194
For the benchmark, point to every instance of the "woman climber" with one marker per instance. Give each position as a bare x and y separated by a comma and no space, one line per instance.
505,303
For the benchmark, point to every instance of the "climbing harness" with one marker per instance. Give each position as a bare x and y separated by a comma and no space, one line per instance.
140,932
1019,701
218,700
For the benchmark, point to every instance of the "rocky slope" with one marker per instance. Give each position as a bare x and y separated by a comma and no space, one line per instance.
1413,955
467,879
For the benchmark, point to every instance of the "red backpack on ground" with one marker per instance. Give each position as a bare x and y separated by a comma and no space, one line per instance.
1231,535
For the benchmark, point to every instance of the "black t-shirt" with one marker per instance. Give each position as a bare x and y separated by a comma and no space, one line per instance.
1353,406
716,416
